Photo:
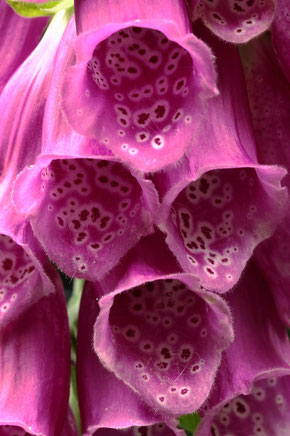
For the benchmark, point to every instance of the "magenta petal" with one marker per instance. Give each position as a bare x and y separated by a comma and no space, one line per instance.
269,95
264,411
23,273
35,366
260,351
87,213
19,36
22,105
235,21
92,14
281,35
105,401
133,76
220,203
158,331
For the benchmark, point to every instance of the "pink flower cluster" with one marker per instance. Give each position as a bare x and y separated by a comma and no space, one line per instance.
144,148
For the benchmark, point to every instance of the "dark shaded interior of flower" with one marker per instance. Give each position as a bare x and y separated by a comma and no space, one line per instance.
144,81
261,413
16,267
220,218
159,429
9,430
87,205
163,343
236,20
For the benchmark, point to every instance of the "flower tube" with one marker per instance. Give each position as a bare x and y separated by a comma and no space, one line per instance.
219,203
269,97
141,81
158,331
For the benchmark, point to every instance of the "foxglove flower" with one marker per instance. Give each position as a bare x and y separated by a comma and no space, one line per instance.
35,358
218,205
23,263
235,21
19,36
105,401
95,208
141,81
251,391
172,368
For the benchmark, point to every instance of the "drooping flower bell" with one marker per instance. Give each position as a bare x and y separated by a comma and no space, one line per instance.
35,346
141,77
235,21
158,331
220,203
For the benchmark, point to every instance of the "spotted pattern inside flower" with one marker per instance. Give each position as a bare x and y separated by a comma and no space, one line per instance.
88,206
219,219
264,412
159,429
236,20
164,343
16,268
9,430
144,80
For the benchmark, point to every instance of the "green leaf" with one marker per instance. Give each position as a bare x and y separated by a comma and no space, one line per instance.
189,423
39,10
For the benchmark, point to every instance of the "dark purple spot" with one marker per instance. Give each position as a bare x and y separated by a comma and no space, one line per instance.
153,59
130,333
162,365
192,244
142,118
132,70
104,222
103,179
240,407
203,185
76,224
60,221
137,308
84,215
206,231
7,264
160,111
165,353
185,354
95,214
81,236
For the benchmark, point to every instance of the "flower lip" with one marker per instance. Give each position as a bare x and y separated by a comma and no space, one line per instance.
162,332
93,205
141,85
